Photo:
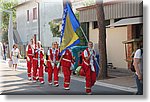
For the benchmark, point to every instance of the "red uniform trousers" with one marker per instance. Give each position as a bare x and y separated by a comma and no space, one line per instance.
67,74
29,66
52,70
35,67
90,77
56,78
41,71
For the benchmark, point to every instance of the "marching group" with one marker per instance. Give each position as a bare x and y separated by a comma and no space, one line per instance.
54,62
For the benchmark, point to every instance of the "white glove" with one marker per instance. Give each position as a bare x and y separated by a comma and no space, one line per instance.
58,65
92,68
95,58
28,59
72,66
52,64
20,56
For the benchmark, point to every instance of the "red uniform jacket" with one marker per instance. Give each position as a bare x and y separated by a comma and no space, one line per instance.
30,51
86,62
67,59
56,54
41,55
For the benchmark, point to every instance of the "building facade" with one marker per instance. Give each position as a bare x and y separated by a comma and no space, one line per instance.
124,27
33,17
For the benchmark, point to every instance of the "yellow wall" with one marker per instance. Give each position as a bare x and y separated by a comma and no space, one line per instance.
115,47
93,36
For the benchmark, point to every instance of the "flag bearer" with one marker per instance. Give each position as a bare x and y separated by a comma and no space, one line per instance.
89,67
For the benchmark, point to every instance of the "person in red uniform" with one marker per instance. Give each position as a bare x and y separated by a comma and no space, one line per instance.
38,63
53,57
56,68
89,67
49,66
66,62
29,55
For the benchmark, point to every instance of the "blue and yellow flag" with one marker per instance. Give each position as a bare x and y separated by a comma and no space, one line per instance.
69,26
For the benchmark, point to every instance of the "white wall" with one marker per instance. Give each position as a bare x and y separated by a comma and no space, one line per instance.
0,26
49,10
115,47
26,29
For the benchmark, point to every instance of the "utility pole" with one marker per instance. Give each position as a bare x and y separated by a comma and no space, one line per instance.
102,39
38,8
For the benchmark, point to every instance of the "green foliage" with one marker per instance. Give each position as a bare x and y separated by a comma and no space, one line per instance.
7,5
55,28
89,2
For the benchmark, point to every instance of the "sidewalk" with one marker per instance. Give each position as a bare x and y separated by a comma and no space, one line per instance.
121,77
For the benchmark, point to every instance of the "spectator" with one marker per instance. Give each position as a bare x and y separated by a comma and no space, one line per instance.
14,55
4,51
138,65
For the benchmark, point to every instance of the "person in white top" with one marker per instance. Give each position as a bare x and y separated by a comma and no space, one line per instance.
138,65
14,55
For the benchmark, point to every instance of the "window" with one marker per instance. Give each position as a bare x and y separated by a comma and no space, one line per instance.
94,25
27,15
34,13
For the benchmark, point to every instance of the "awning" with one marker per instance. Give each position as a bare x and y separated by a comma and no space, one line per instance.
131,41
128,21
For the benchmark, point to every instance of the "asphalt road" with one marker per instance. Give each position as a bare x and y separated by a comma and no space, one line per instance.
16,83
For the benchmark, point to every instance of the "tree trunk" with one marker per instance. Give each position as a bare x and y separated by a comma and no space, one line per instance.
102,39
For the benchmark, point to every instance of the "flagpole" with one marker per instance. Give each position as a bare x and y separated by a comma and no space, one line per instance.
84,34
88,41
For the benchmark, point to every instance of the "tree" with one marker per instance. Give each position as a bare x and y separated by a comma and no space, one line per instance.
102,39
55,29
7,5
88,2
